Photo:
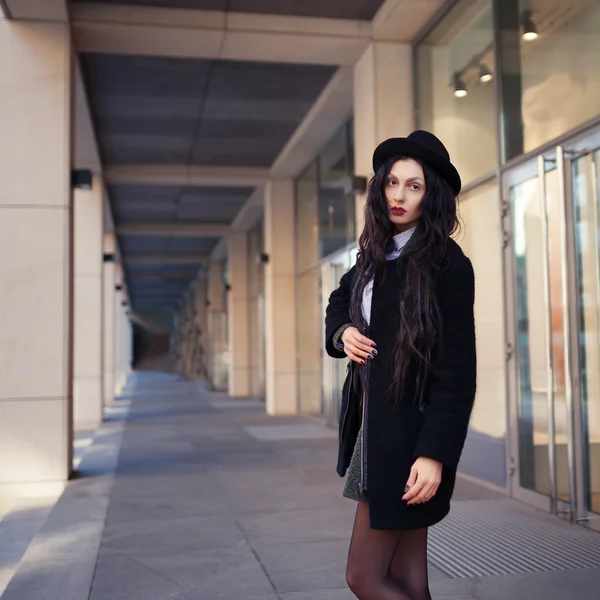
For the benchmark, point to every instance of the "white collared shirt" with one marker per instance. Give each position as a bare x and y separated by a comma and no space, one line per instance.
400,240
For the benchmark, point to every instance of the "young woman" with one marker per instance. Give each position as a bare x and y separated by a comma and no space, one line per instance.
404,317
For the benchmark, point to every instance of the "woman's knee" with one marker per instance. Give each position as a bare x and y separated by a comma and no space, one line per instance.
362,584
355,579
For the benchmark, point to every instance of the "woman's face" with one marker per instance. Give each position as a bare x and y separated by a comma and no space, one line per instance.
404,191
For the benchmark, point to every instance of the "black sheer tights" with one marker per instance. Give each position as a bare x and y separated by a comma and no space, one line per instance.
387,565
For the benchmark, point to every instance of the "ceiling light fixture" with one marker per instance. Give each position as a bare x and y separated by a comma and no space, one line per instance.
530,31
485,74
460,89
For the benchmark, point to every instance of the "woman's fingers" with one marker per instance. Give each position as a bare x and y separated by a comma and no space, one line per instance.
354,357
358,346
414,491
360,340
426,493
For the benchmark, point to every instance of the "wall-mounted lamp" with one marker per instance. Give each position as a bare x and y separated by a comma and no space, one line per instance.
118,287
263,258
81,179
485,74
460,89
108,257
359,184
529,28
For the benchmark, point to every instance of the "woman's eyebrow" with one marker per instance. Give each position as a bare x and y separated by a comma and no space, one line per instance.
410,179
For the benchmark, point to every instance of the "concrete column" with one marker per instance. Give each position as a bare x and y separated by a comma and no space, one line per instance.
201,300
280,299
238,315
36,272
109,319
123,348
254,333
120,330
383,105
87,359
217,327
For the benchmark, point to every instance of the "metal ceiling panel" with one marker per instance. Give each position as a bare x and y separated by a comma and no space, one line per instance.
176,111
134,244
333,9
157,110
174,204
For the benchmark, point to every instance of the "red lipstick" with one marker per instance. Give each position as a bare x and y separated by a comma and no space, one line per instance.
398,211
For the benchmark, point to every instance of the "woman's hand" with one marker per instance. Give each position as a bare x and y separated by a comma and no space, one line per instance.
424,480
358,347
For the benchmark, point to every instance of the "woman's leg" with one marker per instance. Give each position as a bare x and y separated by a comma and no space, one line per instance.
370,558
409,565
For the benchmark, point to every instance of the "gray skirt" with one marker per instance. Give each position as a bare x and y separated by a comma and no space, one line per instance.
352,486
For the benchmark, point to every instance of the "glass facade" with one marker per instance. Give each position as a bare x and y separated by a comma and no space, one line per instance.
456,90
550,69
511,88
325,227
336,198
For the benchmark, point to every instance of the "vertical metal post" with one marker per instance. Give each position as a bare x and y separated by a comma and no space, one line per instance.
567,231
577,458
549,357
508,77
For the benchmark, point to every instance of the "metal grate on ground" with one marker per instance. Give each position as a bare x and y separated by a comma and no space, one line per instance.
504,537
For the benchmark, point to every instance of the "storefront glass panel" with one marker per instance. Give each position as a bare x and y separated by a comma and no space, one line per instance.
456,90
336,199
551,72
553,295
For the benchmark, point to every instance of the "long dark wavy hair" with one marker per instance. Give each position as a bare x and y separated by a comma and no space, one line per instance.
423,255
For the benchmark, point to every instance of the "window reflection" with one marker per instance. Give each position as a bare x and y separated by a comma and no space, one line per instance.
456,90
551,84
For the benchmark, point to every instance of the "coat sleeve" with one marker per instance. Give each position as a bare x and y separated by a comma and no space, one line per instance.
451,391
337,313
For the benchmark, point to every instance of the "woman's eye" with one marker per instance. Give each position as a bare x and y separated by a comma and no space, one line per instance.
391,182
414,187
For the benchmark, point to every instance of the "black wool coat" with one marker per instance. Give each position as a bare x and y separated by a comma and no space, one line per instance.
396,434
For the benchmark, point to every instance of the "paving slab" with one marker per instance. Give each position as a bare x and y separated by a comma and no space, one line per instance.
197,496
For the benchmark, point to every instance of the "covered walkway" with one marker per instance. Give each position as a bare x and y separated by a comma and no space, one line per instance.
191,495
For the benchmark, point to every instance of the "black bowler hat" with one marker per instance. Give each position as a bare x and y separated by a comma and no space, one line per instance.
423,146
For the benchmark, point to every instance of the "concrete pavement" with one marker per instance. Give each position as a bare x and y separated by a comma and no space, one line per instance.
191,495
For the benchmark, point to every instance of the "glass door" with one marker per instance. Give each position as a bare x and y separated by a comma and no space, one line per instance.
553,307
334,370
585,171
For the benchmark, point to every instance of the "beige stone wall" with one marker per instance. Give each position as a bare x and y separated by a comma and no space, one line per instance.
280,299
88,376
238,315
108,319
383,105
481,240
35,241
217,355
